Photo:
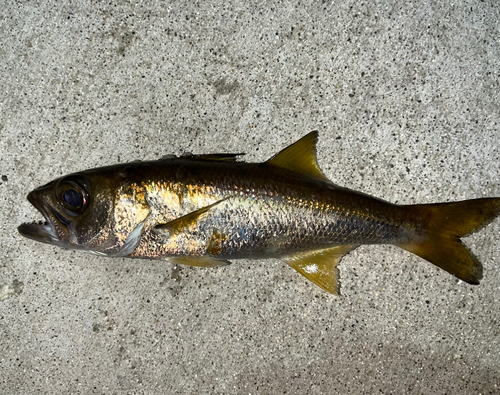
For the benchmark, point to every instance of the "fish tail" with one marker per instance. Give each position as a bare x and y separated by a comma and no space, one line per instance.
439,227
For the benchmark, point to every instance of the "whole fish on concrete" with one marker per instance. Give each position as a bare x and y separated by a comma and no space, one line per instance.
202,210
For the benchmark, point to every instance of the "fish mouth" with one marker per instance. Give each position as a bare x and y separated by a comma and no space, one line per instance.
50,231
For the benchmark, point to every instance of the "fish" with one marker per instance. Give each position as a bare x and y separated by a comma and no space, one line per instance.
207,210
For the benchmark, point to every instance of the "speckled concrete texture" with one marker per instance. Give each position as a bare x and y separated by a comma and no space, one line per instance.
406,98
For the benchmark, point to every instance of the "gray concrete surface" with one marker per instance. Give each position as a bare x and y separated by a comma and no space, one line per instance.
406,98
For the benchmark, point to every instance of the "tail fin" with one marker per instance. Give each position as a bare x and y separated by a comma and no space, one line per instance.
439,228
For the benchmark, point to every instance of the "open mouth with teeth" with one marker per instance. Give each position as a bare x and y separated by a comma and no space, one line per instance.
50,231
60,202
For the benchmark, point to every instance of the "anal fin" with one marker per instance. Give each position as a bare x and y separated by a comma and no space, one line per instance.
320,266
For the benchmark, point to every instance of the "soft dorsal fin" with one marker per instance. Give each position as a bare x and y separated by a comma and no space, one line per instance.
320,267
300,157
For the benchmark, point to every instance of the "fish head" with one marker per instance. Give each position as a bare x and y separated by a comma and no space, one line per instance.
93,211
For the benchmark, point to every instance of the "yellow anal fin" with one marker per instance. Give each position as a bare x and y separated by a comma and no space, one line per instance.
320,266
300,157
199,261
178,224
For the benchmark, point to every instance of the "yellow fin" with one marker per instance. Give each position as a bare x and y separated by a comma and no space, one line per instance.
442,225
300,157
199,261
320,266
187,220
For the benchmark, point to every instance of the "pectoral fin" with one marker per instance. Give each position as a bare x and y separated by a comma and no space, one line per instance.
320,266
177,225
199,261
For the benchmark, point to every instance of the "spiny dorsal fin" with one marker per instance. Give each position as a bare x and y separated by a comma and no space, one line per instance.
187,220
300,157
214,157
320,266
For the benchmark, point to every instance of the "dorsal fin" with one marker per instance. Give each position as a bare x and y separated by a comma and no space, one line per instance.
300,157
214,157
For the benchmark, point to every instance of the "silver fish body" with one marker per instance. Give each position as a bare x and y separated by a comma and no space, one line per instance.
256,211
204,210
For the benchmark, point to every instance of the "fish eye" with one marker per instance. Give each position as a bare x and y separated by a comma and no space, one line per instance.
73,197
72,194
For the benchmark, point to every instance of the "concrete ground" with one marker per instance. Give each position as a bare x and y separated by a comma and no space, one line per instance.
406,98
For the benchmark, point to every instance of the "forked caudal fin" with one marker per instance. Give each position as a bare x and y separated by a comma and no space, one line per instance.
439,228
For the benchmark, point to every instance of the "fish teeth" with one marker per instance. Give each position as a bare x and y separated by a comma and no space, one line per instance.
39,222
